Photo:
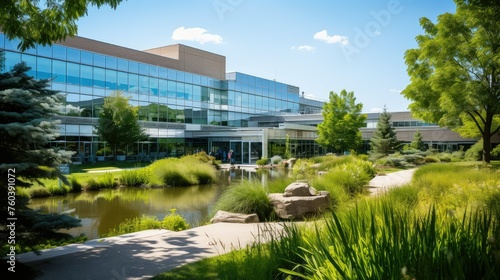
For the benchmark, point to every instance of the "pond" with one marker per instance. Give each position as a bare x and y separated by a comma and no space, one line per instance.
100,211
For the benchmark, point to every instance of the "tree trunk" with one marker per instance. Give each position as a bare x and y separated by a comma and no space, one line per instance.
487,139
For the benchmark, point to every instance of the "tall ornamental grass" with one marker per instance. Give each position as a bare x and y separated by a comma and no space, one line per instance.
247,197
377,241
181,172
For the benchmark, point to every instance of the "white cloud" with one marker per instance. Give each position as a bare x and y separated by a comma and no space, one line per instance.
333,39
394,90
196,34
304,48
376,110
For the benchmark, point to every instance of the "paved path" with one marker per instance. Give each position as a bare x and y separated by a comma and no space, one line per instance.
144,254
382,183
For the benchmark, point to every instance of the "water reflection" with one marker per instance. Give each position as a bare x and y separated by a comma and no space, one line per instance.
103,210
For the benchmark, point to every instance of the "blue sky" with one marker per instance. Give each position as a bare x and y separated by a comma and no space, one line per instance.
319,46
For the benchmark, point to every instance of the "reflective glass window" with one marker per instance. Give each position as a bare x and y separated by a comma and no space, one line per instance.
143,84
73,72
31,62
188,90
111,79
122,64
196,79
172,74
86,57
122,81
59,52
172,88
133,67
43,68
162,87
99,60
86,75
143,69
180,91
44,50
203,81
180,76
188,78
12,44
162,73
2,40
99,77
196,93
73,54
153,85
111,62
59,71
133,82
153,70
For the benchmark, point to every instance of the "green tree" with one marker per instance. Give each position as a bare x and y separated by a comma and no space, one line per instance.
44,22
417,142
342,120
26,128
455,71
384,140
118,124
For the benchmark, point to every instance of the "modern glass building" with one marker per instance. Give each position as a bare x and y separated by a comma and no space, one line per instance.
186,101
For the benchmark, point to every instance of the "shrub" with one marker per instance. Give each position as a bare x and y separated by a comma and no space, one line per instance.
181,172
303,169
475,152
75,184
431,159
134,225
38,192
276,160
134,178
106,181
174,221
248,197
262,161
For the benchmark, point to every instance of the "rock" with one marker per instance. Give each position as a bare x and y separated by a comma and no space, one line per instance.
296,207
291,162
299,189
228,217
298,200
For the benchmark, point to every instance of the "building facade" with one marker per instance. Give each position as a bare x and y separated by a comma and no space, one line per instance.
187,103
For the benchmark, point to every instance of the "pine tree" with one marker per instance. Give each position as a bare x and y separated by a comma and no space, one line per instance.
417,142
26,127
384,140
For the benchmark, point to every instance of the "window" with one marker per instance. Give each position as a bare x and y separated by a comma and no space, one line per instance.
73,55
111,62
59,71
59,52
99,60
43,67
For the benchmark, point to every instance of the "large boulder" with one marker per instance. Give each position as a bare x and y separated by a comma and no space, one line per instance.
298,201
228,217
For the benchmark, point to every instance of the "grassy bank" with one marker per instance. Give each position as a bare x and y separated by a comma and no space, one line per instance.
443,225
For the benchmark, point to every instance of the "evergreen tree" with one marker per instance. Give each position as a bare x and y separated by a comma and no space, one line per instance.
384,140
118,123
342,120
417,142
26,127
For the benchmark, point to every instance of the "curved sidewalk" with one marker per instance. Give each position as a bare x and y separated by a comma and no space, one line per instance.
382,183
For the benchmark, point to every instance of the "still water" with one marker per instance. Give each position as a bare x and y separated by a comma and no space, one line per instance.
100,211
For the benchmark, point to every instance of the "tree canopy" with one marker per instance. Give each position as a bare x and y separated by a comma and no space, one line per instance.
118,123
342,120
455,71
34,22
384,140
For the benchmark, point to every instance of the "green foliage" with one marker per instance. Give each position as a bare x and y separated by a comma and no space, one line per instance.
134,225
288,153
474,152
186,171
135,177
105,181
174,221
117,124
262,161
384,140
44,22
26,128
75,184
342,120
453,72
276,160
303,169
203,157
248,197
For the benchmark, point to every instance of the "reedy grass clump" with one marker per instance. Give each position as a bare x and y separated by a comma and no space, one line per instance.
377,241
181,172
135,177
105,181
248,197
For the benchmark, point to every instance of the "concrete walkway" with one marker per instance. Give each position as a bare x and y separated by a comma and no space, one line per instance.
144,254
382,183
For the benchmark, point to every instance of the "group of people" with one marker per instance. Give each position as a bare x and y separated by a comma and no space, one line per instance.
223,156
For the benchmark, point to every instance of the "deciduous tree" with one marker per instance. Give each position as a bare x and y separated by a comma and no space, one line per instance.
342,119
455,71
44,22
118,124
